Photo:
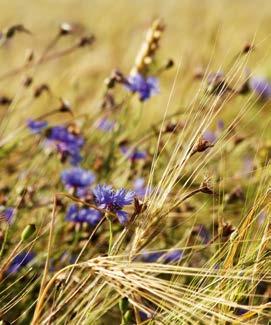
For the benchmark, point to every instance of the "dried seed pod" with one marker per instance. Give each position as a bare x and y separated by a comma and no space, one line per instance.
149,48
65,29
15,29
86,40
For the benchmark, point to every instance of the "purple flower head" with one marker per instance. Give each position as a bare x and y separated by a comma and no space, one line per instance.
133,154
261,87
36,126
85,214
113,200
172,256
140,189
67,143
220,125
7,214
105,124
151,257
145,87
20,261
209,136
202,232
77,178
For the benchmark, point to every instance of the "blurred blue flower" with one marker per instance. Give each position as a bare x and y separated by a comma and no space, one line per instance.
7,214
105,124
67,143
261,87
209,136
20,261
36,126
144,86
113,200
171,256
133,154
202,232
85,214
140,189
77,178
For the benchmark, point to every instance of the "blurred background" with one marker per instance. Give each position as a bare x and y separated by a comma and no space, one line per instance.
198,33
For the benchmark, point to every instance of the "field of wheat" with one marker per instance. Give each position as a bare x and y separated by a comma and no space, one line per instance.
135,156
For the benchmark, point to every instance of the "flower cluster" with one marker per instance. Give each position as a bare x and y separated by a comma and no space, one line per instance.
20,261
261,87
67,143
133,154
114,201
140,189
146,87
6,214
36,126
77,178
81,215
172,256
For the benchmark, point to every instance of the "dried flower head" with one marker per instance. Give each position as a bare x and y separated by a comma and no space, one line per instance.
149,47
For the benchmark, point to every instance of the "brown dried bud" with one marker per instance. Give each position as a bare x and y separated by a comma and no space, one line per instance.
86,40
247,48
65,106
206,187
226,229
16,28
201,146
65,29
169,64
74,129
27,82
41,89
236,195
5,101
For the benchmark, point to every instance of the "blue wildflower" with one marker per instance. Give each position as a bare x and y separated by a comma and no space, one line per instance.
105,124
7,214
151,257
77,178
133,154
144,86
202,232
140,189
171,256
20,261
36,126
209,136
261,87
68,143
84,214
113,200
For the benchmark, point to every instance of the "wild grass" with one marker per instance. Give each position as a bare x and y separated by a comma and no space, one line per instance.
208,201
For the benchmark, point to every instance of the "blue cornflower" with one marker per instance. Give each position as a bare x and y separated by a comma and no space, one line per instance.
151,257
133,154
68,144
140,189
113,200
7,214
172,256
209,136
36,126
261,87
20,261
202,232
144,86
105,124
84,214
77,178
